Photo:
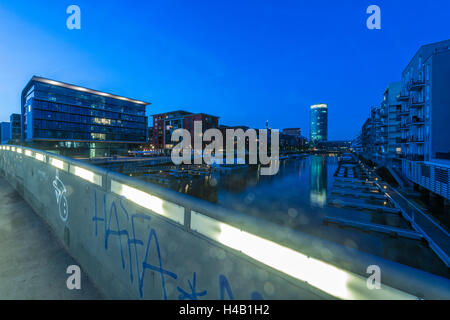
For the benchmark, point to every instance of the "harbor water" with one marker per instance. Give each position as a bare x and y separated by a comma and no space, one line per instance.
297,198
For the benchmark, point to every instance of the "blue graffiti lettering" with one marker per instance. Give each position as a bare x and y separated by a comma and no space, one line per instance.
143,251
119,232
224,285
193,294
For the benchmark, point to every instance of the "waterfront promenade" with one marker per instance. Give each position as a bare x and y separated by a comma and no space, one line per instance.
437,237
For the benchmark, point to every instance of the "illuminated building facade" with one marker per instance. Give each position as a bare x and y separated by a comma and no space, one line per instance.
319,123
77,121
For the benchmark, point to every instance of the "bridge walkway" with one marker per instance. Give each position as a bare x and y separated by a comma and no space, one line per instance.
33,263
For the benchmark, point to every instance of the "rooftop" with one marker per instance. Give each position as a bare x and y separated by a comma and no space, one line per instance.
83,89
439,44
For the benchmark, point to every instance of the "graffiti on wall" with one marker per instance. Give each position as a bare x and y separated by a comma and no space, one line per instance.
140,255
61,199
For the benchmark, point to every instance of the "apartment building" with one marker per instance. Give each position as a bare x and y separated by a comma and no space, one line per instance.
425,118
391,120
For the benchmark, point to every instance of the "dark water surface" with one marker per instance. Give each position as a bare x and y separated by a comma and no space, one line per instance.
297,197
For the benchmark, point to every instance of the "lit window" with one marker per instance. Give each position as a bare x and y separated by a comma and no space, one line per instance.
98,136
102,121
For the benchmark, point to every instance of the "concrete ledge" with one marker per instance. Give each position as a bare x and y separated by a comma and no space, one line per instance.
138,240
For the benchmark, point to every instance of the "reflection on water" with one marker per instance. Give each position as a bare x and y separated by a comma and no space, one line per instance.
298,191
318,181
297,198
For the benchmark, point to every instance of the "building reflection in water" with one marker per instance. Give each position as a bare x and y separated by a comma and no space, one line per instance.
318,181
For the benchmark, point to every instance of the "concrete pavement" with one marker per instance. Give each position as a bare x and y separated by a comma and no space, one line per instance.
32,263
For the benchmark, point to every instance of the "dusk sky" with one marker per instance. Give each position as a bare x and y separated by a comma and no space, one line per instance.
245,61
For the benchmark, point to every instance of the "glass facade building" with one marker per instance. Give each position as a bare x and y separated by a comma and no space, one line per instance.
319,123
5,132
16,131
73,120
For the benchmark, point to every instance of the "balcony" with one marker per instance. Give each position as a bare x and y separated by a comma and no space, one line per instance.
403,97
418,121
416,84
415,139
416,103
415,157
411,157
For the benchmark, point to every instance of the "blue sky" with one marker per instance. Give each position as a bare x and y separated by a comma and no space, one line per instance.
245,61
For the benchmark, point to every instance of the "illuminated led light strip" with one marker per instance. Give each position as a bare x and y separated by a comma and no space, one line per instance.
325,277
74,87
59,164
86,175
39,157
159,206
7,148
19,150
28,153
13,149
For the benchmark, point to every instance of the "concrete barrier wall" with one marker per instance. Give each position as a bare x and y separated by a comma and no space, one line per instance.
140,241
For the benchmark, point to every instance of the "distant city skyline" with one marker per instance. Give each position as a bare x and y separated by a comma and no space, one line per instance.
245,62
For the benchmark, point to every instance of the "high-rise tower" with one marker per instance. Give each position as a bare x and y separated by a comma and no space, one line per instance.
319,123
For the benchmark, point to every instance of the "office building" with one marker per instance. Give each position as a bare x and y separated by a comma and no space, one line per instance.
296,132
335,146
319,123
291,139
16,127
164,124
5,132
76,121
